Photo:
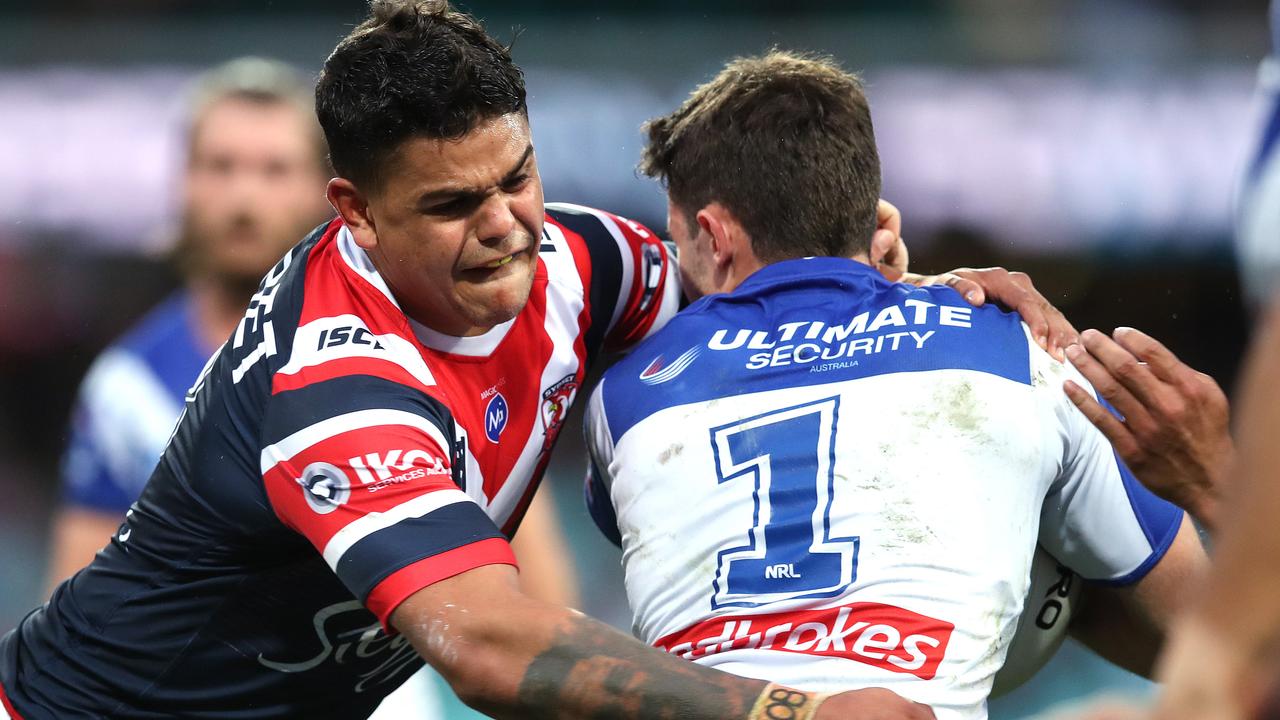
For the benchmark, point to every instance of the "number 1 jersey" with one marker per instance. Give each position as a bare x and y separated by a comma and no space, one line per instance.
832,481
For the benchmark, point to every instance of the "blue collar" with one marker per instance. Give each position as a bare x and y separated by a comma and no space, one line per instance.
786,270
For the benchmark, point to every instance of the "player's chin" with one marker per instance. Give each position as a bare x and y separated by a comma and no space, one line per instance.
496,301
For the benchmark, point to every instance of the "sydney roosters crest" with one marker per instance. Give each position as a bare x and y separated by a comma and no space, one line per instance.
556,401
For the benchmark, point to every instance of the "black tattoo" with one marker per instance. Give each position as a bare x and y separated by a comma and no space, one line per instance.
785,704
593,671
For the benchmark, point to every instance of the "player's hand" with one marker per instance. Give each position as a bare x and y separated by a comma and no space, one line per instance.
889,220
1012,290
1174,431
871,704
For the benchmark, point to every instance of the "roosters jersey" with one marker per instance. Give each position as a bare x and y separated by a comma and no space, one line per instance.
334,458
831,481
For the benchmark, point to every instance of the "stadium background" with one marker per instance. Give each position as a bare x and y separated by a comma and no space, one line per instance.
1092,143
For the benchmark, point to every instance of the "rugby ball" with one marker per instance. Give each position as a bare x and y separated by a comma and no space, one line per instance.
1046,613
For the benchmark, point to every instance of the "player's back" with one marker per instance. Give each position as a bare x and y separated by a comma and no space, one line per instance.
832,481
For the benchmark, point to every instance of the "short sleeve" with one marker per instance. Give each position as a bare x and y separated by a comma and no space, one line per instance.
634,280
599,456
363,468
1097,517
121,422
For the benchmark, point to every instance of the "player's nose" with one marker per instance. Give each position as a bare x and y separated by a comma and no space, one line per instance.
496,222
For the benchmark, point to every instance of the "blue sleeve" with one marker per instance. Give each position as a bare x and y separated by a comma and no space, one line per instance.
88,480
600,506
1158,518
1098,519
599,454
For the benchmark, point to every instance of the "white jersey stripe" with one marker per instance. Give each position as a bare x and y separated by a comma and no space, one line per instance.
322,333
369,524
565,304
325,429
359,261
624,250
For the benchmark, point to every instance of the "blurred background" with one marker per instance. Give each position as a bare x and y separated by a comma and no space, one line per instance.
1095,144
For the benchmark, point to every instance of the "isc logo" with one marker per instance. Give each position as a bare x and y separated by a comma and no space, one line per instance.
347,334
495,417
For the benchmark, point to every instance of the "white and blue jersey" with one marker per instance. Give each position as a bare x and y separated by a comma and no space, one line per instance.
832,481
1258,234
127,406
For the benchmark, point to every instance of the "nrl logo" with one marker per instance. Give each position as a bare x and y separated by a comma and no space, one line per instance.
556,401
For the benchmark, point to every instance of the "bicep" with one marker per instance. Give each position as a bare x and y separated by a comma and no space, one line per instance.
373,490
1127,624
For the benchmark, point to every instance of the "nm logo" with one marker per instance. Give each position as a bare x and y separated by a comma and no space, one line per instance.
495,417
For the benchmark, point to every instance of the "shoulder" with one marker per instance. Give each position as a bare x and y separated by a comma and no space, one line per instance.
592,223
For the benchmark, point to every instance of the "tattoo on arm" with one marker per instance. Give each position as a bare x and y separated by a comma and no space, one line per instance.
593,671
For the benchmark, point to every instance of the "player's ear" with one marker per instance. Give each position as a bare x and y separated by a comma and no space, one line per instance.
353,206
716,221
886,248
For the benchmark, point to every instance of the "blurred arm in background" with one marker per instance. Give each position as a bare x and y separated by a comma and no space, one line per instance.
1223,660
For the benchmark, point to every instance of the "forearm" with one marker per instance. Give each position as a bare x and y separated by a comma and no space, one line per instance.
1128,625
1110,627
511,656
579,667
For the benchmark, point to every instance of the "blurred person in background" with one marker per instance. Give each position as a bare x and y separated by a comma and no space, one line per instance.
253,183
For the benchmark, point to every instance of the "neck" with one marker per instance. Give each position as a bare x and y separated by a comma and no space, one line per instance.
218,309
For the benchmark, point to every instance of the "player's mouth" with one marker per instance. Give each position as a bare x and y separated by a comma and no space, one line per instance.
498,267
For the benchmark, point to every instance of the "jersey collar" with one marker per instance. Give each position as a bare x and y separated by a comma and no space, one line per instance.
790,270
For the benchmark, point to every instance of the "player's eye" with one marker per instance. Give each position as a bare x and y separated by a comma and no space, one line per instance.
516,183
455,207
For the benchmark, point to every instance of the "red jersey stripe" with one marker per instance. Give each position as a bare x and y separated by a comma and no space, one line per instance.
397,588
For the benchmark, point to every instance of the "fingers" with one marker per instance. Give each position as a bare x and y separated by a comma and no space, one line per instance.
1163,363
1062,334
1112,427
893,263
1132,373
888,217
970,290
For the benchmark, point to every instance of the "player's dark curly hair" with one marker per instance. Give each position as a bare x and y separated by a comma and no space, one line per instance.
412,68
783,141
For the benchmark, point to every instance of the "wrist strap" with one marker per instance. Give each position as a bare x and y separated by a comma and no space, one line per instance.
779,702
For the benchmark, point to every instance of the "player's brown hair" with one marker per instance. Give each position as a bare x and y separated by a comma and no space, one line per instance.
413,68
785,142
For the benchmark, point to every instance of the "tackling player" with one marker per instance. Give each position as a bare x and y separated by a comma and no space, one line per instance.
830,480
335,503
253,183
